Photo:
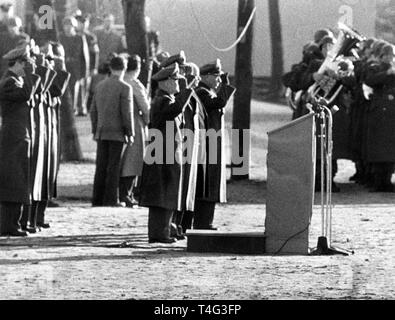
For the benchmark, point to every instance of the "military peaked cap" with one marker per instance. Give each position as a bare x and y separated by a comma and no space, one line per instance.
171,72
180,59
214,68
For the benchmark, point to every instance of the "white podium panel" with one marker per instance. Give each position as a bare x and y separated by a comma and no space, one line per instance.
291,174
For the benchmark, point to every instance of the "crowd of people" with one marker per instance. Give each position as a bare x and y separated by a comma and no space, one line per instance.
363,129
102,80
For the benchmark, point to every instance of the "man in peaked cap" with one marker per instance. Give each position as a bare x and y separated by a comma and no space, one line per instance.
16,91
161,186
179,58
214,92
320,34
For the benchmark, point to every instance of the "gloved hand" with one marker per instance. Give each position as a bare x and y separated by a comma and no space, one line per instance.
225,79
183,84
40,59
59,64
30,67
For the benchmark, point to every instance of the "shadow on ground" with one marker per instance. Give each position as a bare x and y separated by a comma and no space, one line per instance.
254,192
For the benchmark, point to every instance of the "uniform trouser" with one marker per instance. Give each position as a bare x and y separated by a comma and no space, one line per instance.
10,216
382,174
34,214
178,217
126,187
204,215
159,223
187,221
81,100
108,167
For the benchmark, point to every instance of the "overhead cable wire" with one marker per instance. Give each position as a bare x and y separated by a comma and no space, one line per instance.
242,34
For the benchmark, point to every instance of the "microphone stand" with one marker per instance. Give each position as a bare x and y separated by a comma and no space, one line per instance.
325,116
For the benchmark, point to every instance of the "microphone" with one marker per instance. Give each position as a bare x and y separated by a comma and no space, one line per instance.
323,102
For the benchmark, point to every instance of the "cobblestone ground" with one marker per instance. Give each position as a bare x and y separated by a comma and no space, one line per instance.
93,253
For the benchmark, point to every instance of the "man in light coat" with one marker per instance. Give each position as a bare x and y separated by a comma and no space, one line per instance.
112,127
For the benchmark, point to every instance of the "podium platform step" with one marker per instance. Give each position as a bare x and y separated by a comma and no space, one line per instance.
226,242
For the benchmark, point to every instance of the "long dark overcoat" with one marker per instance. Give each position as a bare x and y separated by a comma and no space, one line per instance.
195,169
381,114
161,184
15,137
56,91
41,176
214,104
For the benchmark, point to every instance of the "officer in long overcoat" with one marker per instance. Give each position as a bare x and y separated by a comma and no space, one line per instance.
48,151
16,91
38,132
214,92
161,186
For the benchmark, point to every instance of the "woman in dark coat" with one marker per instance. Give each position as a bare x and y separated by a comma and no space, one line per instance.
161,186
381,118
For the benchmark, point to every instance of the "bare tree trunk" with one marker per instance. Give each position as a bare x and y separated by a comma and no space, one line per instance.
136,32
277,48
244,84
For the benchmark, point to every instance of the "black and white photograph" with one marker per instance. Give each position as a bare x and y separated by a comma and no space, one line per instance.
220,151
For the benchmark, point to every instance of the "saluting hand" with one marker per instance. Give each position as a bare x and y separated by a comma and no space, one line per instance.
129,140
225,79
40,59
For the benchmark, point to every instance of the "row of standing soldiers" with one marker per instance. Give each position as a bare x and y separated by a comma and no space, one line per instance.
30,98
364,130
178,183
186,192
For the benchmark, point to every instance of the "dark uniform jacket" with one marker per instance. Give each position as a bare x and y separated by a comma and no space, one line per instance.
214,104
381,114
162,181
41,178
15,137
56,92
358,111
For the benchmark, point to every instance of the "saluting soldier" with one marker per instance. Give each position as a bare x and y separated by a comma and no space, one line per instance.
49,148
214,92
162,180
381,118
16,91
57,90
